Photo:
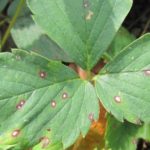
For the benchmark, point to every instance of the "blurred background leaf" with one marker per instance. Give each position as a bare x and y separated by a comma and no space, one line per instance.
124,136
3,3
28,36
121,40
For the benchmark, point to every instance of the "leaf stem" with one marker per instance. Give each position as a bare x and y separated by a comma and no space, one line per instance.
12,22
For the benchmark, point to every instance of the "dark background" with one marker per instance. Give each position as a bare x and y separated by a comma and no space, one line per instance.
138,20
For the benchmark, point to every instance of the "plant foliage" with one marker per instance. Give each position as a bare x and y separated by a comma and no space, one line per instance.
45,104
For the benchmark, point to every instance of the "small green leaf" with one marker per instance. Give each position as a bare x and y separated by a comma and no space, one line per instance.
123,86
82,28
3,3
38,96
121,40
28,36
12,9
124,136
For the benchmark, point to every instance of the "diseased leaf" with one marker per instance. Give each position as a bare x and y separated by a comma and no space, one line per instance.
28,36
38,96
82,28
124,136
123,86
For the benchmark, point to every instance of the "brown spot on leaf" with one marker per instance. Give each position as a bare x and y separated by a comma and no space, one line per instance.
64,95
48,129
89,15
117,99
45,142
53,104
91,117
20,104
85,3
42,74
15,133
147,72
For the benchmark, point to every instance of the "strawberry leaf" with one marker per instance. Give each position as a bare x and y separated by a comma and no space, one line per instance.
123,86
56,146
82,28
36,40
126,134
3,4
38,96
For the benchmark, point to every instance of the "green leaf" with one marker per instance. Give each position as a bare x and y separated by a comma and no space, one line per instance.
82,28
121,40
12,9
124,136
28,36
123,86
3,3
6,147
38,95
